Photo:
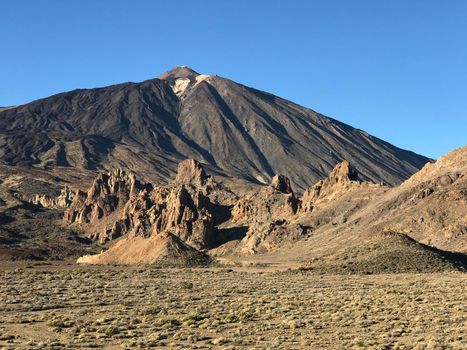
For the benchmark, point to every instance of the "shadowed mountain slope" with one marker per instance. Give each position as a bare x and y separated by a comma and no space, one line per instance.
149,127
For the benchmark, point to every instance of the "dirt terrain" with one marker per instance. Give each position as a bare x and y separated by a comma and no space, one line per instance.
58,306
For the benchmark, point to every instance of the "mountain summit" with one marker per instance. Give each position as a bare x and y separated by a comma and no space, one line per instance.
178,72
148,127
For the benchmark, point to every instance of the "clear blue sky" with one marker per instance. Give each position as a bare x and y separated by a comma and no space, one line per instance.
394,68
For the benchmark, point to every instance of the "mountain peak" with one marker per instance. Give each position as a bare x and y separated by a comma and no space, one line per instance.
240,131
179,72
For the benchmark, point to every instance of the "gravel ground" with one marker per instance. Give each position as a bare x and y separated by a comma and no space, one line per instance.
44,307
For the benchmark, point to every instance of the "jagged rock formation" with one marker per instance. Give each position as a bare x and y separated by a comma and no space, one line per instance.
273,202
281,183
422,208
189,217
430,208
190,172
186,215
107,193
342,178
239,131
62,201
275,217
192,175
137,215
162,224
266,214
340,225
117,205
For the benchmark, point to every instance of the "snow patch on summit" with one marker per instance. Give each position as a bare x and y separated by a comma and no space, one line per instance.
201,78
180,86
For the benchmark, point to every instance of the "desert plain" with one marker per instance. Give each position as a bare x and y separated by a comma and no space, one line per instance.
63,305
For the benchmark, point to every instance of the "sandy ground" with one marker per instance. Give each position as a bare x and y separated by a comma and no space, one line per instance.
57,306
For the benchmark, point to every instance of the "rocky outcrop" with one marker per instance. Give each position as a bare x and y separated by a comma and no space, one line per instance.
186,215
190,172
118,205
62,201
267,213
274,217
192,175
342,178
163,224
275,202
265,237
281,183
107,193
338,212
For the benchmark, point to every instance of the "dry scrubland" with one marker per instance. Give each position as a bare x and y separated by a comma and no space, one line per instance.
131,307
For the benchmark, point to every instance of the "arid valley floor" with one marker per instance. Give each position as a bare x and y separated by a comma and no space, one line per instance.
67,306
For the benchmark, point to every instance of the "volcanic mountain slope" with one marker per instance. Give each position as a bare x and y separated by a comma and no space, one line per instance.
148,127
